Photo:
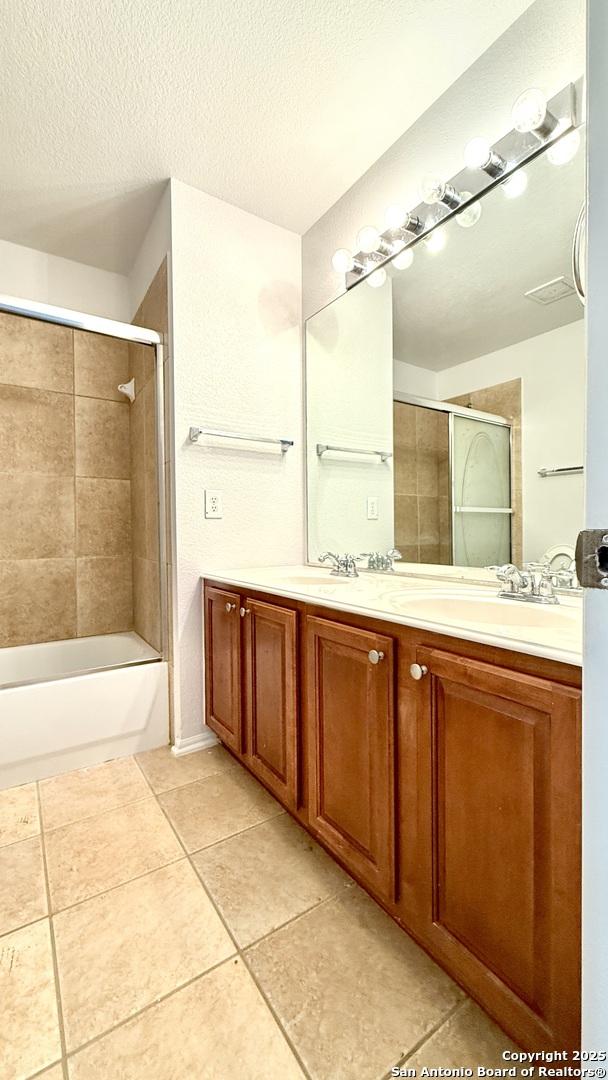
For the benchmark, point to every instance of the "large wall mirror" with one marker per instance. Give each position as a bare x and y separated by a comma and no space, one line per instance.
445,406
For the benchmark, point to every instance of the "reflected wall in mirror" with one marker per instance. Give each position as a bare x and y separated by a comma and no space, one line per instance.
443,394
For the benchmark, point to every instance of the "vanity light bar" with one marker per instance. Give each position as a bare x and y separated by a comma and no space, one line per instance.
537,124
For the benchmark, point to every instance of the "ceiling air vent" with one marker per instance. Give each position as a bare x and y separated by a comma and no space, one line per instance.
558,289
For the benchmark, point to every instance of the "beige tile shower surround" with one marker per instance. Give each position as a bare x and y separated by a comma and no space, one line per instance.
78,484
163,917
422,486
153,314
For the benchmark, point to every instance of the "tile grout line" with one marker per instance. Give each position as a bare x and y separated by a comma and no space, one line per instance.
239,951
428,1035
145,1008
89,817
58,1002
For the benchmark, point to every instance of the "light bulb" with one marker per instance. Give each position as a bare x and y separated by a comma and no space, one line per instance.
403,260
436,240
432,189
515,185
530,114
470,216
395,217
342,261
477,153
377,278
562,151
368,239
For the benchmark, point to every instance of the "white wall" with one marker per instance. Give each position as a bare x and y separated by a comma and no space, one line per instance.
545,47
237,367
552,369
411,379
349,385
34,275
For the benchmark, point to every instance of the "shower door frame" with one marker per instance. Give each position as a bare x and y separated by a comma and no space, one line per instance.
471,414
97,324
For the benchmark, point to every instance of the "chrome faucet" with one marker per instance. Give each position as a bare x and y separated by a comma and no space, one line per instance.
343,565
377,562
533,583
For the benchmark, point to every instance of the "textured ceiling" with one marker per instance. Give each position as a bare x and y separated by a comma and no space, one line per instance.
468,300
277,106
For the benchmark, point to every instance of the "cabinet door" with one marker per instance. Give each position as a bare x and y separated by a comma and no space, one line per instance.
223,665
270,696
504,836
351,752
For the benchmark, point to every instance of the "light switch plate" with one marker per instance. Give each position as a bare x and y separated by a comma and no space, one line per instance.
372,507
214,507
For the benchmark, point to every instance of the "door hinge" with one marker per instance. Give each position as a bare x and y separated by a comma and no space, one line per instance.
592,558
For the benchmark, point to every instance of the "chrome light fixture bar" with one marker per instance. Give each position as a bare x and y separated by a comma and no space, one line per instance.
487,166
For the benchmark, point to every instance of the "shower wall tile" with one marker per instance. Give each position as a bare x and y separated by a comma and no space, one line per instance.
428,520
146,601
153,311
36,516
37,600
102,438
429,553
36,431
406,519
150,473
36,354
103,516
404,425
427,472
100,364
105,595
142,360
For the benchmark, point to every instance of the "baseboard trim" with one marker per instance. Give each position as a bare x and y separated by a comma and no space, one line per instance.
202,741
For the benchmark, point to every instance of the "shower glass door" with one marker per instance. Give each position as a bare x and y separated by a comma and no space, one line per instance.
481,491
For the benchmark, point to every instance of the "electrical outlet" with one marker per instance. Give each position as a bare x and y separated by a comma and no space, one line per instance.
213,504
372,507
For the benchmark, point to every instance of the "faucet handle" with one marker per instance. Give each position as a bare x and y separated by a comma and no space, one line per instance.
394,554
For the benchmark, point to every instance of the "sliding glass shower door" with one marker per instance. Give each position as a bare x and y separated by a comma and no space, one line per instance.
480,453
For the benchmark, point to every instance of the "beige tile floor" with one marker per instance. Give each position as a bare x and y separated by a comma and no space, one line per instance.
162,918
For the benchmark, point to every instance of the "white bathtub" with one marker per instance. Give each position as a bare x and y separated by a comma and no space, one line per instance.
68,704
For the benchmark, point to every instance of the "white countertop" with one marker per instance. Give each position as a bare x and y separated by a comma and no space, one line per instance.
462,608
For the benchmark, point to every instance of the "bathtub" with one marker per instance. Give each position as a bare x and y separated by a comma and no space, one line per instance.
68,704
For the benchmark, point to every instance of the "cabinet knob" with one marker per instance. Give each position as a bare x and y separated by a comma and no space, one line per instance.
244,611
230,607
418,671
374,656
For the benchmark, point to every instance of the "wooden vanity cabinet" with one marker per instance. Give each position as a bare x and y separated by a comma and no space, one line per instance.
454,798
223,666
503,840
271,697
251,685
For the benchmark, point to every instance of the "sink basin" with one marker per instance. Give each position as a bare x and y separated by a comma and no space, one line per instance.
485,611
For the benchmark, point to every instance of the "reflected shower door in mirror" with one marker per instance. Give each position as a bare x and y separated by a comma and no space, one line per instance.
444,401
